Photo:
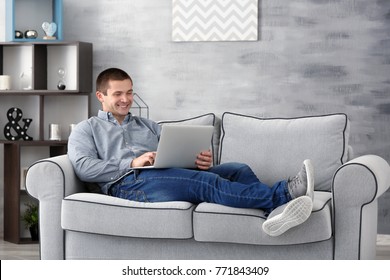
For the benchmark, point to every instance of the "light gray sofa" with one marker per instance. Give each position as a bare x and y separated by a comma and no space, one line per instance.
76,223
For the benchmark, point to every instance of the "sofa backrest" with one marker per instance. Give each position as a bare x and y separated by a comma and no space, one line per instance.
276,147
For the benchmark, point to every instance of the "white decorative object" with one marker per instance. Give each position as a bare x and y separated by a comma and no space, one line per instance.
61,74
50,29
5,82
54,132
214,20
26,79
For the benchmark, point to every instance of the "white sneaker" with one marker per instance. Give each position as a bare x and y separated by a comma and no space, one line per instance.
303,182
294,213
310,178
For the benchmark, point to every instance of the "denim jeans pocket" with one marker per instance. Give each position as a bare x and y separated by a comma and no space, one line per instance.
135,195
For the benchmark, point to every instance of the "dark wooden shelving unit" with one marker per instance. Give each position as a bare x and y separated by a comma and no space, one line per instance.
43,58
12,191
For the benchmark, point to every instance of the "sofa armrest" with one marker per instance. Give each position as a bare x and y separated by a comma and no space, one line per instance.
50,180
356,187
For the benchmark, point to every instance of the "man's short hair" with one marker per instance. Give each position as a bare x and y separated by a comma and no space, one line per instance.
110,74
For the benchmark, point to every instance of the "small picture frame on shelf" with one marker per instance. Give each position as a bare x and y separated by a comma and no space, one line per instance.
23,175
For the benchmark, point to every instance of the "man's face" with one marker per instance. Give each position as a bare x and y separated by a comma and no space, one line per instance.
118,99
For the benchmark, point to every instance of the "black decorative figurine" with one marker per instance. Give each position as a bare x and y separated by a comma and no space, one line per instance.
14,115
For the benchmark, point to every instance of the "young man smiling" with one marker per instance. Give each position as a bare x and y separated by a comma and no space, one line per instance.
105,149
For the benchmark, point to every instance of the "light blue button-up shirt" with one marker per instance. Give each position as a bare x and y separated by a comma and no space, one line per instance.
101,150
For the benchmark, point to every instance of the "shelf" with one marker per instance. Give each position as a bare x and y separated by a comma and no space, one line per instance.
40,66
41,92
44,109
34,143
39,42
23,15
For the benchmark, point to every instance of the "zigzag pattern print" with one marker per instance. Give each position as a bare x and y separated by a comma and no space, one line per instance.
214,20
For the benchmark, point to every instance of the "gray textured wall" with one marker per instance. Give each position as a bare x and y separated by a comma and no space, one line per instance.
313,57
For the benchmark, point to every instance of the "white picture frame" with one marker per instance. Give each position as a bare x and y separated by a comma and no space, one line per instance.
214,20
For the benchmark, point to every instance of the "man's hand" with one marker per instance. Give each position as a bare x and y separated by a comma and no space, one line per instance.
204,160
146,159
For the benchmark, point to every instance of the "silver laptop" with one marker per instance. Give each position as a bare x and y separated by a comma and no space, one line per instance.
179,145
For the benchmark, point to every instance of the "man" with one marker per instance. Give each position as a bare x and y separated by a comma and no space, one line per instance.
105,149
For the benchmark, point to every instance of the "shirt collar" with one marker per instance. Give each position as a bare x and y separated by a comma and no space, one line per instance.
107,116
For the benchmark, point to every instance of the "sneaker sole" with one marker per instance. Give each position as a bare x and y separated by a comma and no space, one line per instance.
310,178
296,212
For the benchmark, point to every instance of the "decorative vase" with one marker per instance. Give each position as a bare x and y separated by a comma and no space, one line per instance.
34,231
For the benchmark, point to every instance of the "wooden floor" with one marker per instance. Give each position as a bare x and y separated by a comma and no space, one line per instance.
383,247
10,251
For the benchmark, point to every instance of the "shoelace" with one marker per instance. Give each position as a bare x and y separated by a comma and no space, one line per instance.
294,182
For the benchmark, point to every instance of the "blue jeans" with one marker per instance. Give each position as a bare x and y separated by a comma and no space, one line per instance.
230,184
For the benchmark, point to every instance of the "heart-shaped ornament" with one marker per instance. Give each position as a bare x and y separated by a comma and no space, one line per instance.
49,28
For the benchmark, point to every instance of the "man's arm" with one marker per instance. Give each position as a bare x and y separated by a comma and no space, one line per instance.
84,155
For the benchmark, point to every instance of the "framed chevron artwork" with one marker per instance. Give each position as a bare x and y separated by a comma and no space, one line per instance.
214,20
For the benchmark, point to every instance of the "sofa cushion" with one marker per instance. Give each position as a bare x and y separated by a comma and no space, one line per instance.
206,119
217,223
103,214
276,147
